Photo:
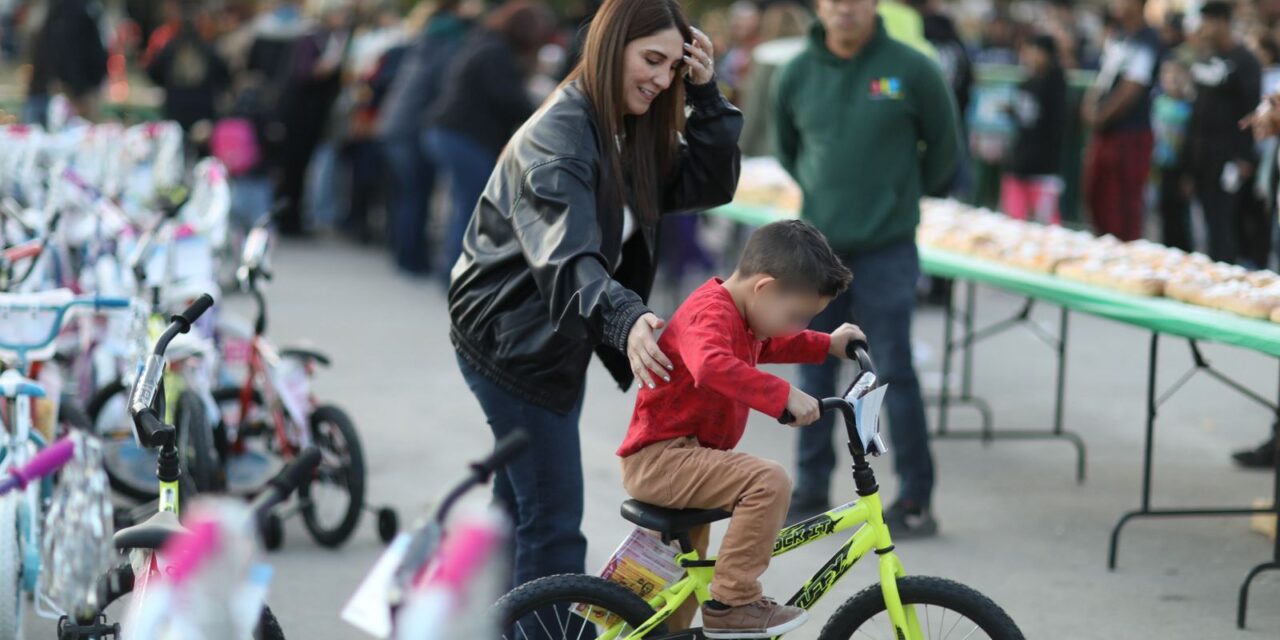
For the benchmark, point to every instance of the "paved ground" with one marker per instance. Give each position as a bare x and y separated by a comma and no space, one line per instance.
1015,524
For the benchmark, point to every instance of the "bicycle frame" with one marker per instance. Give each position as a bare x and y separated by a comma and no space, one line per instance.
872,534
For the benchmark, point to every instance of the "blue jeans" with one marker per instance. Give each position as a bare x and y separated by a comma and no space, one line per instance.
881,299
467,165
413,178
543,486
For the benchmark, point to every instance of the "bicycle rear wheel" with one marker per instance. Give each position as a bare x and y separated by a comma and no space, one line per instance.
552,608
332,501
943,607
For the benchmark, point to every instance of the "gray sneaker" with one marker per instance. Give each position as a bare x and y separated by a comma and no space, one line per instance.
764,618
909,522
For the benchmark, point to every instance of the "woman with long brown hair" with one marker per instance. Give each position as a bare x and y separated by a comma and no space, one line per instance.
558,259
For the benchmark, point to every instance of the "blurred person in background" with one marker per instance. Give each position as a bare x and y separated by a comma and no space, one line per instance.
484,100
1032,182
1118,111
1170,113
269,63
867,125
352,132
744,34
192,73
69,58
1220,156
313,83
416,87
782,29
578,22
999,41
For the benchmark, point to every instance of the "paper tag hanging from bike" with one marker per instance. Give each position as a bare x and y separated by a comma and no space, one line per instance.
643,564
867,396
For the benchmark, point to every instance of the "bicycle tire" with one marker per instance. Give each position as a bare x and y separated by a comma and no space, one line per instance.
195,444
11,594
118,483
353,474
71,414
922,590
268,626
566,589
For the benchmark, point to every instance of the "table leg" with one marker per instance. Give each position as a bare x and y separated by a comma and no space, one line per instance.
1060,394
1242,605
948,345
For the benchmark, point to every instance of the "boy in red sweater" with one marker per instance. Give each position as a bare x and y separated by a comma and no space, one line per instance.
678,451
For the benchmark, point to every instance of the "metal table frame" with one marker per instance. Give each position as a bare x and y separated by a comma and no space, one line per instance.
964,343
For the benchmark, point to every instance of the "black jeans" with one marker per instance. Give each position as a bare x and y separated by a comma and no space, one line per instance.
881,299
1220,212
1175,210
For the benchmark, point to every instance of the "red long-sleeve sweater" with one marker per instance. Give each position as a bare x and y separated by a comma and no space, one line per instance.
715,381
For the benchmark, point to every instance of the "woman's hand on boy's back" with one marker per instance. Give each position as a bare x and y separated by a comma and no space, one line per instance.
842,336
647,360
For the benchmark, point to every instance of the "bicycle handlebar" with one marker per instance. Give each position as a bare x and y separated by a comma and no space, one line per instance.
857,350
503,452
44,463
151,430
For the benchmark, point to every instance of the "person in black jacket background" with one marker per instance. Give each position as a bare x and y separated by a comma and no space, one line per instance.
192,73
1220,156
485,99
558,260
68,57
1031,184
415,90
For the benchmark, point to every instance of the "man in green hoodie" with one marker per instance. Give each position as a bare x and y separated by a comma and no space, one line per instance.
867,125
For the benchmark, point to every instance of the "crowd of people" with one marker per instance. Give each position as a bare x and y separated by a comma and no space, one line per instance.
448,133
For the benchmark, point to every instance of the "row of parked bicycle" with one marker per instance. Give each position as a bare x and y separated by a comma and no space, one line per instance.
124,393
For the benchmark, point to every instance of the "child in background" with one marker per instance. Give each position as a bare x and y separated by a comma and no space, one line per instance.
678,450
1170,112
1031,184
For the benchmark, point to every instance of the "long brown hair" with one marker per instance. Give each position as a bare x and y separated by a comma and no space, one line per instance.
650,142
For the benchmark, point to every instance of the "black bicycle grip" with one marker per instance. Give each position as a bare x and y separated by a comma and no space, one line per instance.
151,430
786,417
505,451
192,313
851,348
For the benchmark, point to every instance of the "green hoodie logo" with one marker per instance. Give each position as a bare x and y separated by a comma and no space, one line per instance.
886,89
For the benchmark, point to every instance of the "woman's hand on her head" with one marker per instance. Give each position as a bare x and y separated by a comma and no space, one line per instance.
647,361
700,58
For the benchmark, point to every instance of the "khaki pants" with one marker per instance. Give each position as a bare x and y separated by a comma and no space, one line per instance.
681,474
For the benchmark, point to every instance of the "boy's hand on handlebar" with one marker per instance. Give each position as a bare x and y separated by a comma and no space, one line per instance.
804,407
842,336
647,361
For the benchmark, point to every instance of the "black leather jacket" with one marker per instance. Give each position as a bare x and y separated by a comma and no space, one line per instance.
545,278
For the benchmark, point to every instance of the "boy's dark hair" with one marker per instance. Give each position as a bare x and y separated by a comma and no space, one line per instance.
797,254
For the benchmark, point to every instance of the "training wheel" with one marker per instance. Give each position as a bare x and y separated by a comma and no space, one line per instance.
272,532
388,524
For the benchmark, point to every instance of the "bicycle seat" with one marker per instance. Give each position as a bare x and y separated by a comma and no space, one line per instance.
151,533
670,522
303,353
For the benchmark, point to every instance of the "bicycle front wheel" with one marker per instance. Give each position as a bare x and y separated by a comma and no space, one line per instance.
558,608
943,607
195,443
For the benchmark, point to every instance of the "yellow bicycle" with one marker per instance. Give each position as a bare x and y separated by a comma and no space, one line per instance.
901,607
